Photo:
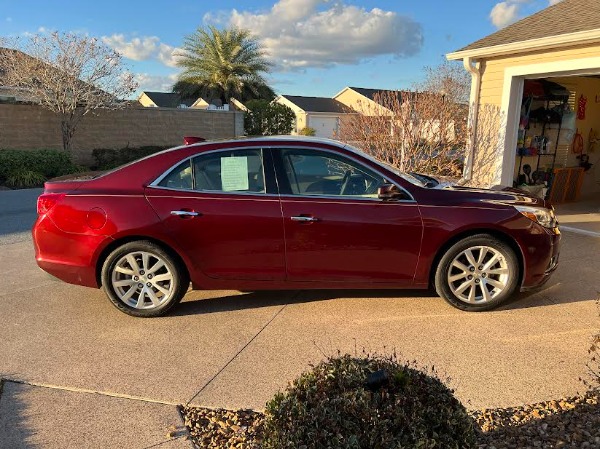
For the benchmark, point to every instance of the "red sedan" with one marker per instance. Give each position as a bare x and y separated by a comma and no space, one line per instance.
288,213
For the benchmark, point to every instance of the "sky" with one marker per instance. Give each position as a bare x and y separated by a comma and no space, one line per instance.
318,47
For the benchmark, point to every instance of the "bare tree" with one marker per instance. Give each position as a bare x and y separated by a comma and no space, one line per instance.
449,79
425,129
69,74
414,131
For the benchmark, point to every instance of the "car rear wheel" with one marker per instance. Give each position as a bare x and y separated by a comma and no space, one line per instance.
141,279
477,273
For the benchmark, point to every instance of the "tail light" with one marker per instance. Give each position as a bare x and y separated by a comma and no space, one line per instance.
47,201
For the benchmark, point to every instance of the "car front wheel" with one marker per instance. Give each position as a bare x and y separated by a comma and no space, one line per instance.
477,273
141,279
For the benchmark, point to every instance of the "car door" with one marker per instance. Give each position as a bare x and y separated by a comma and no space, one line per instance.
336,227
223,210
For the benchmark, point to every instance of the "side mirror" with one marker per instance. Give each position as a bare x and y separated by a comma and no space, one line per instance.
390,192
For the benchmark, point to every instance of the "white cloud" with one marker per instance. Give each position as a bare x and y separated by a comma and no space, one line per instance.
155,82
143,49
507,12
317,33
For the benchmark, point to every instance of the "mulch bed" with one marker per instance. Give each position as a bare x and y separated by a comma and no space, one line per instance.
567,423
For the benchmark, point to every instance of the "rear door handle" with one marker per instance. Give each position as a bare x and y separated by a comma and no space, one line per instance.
184,213
303,219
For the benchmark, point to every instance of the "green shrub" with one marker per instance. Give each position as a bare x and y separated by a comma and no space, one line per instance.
48,163
268,119
108,158
307,131
332,407
23,178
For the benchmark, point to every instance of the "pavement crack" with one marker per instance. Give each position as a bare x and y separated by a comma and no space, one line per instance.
88,391
240,351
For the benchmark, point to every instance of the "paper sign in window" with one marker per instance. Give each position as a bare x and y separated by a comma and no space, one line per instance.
234,173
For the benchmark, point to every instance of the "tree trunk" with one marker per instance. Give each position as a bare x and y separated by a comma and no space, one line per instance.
68,130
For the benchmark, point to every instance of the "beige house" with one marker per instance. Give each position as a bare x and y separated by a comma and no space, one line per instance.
319,113
324,114
538,82
169,100
364,100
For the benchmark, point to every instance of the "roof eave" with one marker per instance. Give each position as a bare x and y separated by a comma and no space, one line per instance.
562,40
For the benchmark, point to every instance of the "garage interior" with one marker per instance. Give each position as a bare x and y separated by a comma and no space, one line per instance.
558,144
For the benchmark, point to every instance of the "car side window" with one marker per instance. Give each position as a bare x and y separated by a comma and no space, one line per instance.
179,178
221,171
229,171
313,172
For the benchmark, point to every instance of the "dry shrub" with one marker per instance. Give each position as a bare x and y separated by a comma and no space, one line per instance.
413,131
428,129
593,380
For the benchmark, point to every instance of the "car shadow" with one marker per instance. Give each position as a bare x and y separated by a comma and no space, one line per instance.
553,293
261,299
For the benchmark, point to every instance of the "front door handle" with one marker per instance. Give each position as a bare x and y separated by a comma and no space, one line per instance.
184,213
303,219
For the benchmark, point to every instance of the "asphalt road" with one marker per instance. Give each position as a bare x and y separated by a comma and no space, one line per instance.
17,214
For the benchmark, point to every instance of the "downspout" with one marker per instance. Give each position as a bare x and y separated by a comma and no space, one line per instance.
474,68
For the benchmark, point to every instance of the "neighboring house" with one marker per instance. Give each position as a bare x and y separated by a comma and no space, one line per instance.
319,113
364,100
237,105
560,46
12,59
9,93
169,100
15,95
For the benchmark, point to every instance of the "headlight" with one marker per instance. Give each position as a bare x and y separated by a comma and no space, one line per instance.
542,216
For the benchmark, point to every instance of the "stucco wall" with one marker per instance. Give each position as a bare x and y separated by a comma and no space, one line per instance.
31,127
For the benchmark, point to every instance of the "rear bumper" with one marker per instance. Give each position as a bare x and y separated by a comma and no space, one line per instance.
66,256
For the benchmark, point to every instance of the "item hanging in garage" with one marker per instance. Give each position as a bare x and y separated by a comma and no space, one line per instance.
581,107
593,139
577,146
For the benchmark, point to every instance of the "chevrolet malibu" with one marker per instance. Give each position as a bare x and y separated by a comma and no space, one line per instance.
288,213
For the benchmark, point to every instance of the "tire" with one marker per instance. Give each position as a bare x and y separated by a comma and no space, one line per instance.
156,283
473,266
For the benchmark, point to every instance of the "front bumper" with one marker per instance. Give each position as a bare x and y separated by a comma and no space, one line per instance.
541,258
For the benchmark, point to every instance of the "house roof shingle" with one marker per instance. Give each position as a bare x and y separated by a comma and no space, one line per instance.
167,99
566,17
370,93
317,104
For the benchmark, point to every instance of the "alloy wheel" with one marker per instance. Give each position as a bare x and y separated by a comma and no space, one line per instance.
142,280
478,274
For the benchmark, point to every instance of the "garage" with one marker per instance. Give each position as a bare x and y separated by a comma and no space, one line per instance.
324,125
538,82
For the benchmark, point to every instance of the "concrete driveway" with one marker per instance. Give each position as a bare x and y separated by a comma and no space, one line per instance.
60,342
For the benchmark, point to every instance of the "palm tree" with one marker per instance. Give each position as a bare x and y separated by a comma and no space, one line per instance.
224,63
